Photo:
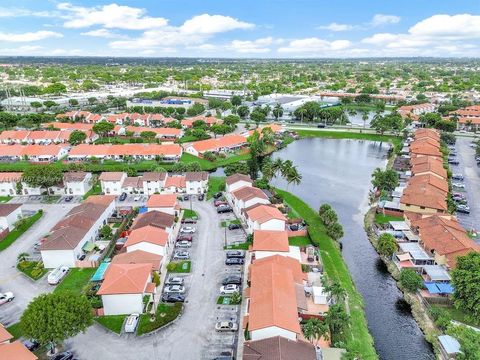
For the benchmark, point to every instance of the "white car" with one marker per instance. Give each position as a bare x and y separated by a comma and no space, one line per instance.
187,230
177,289
56,275
136,198
458,185
6,297
131,323
229,289
226,326
183,244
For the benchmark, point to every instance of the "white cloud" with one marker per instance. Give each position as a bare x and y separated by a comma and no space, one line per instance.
315,45
212,24
22,50
451,27
69,52
381,19
21,12
29,36
109,16
336,27
259,46
103,33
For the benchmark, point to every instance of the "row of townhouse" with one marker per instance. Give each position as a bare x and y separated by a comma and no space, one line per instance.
429,238
150,183
468,117
150,240
73,183
224,144
276,296
39,137
13,349
414,111
33,153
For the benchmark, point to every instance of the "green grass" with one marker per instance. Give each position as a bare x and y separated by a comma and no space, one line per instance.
349,135
189,214
204,164
19,230
241,246
15,330
33,269
221,299
164,315
357,337
95,190
215,184
4,199
189,138
384,219
225,223
111,322
211,165
179,267
75,280
51,199
299,241
458,315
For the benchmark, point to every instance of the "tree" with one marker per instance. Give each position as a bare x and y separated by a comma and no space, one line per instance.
277,111
329,217
55,89
335,231
446,125
77,137
469,340
392,122
148,135
387,245
106,231
195,109
236,298
257,117
52,318
337,318
277,166
386,180
466,282
102,128
410,280
324,208
43,176
36,104
236,100
73,102
243,111
430,119
314,329
335,289
293,176
49,104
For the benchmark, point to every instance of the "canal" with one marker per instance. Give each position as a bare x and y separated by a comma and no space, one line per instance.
338,172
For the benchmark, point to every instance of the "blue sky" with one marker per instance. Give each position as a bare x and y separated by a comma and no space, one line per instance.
247,28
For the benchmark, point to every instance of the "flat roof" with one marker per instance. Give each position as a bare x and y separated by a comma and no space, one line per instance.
415,250
399,225
437,272
449,343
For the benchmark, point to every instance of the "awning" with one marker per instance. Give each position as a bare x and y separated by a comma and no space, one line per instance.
439,288
432,288
88,246
404,257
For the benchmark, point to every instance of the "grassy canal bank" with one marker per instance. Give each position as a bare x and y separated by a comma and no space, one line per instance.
357,338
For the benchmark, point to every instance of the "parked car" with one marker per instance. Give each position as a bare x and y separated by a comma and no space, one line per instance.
173,298
175,280
181,255
224,209
235,254
201,197
82,256
185,238
464,209
218,195
68,198
226,326
217,203
189,221
232,279
233,226
183,244
229,289
131,323
66,355
6,297
458,185
187,230
457,177
178,289
136,198
234,261
320,126
56,275
123,197
31,344
453,162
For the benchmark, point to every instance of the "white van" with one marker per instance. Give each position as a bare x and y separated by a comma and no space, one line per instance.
57,274
131,323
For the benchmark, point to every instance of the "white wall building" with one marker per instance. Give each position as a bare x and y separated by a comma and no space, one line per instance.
9,215
111,182
77,183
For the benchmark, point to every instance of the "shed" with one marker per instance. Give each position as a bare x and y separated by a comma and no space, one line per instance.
319,295
449,344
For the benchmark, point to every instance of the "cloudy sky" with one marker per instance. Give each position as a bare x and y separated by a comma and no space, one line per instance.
241,28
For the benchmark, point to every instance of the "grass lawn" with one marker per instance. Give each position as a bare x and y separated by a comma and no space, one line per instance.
384,219
395,140
179,266
15,330
75,280
357,337
19,230
204,164
111,322
299,241
33,269
164,315
189,214
241,246
51,199
95,190
4,199
224,300
225,223
458,315
215,184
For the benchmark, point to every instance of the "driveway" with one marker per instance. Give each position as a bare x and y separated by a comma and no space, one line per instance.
468,167
189,336
11,279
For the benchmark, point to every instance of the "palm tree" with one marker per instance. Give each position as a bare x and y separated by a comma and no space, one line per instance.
286,166
337,318
314,329
335,289
293,176
364,118
302,112
277,166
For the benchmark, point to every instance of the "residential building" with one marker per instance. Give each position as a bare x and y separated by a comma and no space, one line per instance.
124,288
9,215
81,225
428,165
133,185
227,143
153,182
77,182
279,348
273,242
237,181
246,197
111,182
139,257
424,199
166,203
32,153
148,238
158,219
9,183
170,152
414,111
264,217
175,184
196,182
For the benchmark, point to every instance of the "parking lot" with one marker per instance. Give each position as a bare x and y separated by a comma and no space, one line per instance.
468,168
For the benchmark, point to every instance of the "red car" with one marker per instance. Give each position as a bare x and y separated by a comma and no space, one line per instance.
217,203
185,238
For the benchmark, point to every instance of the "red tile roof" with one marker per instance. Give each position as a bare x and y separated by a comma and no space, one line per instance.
16,351
162,200
263,213
270,240
125,279
149,234
139,257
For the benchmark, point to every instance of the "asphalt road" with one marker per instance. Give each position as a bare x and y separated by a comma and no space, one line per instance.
188,337
11,279
468,167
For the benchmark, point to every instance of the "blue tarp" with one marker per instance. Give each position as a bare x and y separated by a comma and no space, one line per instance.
99,274
439,288
432,288
142,209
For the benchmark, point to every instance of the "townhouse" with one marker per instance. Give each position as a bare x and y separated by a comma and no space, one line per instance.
32,153
38,137
237,181
171,152
77,182
10,183
264,217
279,348
176,184
468,117
163,133
111,182
139,257
148,238
76,232
414,111
13,350
247,197
166,203
273,242
66,126
153,182
225,144
428,166
196,182
208,120
9,215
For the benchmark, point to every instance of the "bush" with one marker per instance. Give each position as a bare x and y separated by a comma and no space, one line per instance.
387,245
156,278
410,280
171,266
169,312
